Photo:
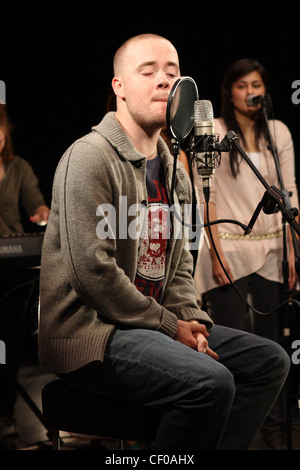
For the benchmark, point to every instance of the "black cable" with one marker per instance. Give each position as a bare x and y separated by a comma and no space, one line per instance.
19,286
208,225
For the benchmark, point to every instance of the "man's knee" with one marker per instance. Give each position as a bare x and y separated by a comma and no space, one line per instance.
225,385
280,359
220,389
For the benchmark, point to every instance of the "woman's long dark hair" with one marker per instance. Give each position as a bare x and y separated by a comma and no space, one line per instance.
7,151
237,70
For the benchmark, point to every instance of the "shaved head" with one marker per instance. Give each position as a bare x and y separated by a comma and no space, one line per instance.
120,55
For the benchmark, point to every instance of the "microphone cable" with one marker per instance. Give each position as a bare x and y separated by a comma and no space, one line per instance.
291,300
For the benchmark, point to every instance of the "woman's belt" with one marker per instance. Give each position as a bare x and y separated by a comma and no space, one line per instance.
249,237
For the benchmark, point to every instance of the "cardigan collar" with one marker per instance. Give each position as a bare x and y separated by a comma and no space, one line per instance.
110,128
112,131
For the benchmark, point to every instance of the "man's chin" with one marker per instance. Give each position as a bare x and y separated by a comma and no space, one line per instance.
155,124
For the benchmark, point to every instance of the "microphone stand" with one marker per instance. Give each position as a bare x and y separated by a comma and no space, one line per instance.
274,198
285,265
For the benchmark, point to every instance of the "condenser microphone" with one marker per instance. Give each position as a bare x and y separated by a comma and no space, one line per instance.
255,100
204,140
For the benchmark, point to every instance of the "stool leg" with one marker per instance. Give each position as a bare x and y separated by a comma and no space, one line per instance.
55,439
120,444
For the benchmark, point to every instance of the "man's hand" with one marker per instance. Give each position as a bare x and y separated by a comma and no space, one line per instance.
194,335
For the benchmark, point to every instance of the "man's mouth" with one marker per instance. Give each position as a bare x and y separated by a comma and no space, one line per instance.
163,99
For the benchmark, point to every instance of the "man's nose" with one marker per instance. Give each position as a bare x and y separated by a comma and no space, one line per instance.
163,81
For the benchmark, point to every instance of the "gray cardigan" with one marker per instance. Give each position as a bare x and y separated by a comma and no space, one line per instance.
87,283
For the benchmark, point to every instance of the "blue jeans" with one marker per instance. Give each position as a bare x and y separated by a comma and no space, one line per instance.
208,404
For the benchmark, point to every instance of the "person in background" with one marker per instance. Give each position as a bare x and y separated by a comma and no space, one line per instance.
18,186
253,262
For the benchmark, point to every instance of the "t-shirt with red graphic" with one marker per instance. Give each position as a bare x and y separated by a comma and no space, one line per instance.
153,241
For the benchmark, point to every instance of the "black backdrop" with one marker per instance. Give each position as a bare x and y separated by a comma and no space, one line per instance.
57,65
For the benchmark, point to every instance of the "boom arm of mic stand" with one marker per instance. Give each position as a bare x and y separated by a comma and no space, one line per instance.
273,193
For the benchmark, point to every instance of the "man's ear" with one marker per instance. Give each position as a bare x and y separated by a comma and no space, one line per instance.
118,88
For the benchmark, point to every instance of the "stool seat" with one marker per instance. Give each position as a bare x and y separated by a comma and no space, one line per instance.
66,409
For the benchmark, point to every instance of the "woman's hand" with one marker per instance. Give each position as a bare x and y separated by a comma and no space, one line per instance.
218,272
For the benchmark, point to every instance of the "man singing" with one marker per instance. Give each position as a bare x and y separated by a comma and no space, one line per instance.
119,314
